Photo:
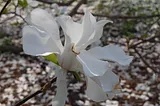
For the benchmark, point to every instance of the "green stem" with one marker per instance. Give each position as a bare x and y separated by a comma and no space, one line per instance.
76,75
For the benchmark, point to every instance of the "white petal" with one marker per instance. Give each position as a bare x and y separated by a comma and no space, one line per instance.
37,42
92,18
98,30
92,66
96,35
61,94
108,81
70,28
68,44
66,58
112,53
45,21
94,91
88,28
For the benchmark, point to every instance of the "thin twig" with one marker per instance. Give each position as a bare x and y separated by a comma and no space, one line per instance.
15,15
74,10
43,89
9,18
143,41
18,15
123,16
144,61
1,12
59,3
28,97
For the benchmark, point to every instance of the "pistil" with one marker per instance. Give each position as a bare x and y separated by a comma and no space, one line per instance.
77,53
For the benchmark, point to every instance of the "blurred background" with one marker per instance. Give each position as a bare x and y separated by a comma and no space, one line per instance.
136,28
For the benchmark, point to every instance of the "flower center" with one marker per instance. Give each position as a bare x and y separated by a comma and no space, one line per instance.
77,53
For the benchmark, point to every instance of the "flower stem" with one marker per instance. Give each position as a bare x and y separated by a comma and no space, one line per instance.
76,75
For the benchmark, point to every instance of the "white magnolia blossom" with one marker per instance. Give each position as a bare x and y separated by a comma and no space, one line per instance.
42,38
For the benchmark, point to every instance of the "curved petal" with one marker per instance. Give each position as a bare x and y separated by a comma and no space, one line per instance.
92,18
108,81
88,27
98,31
96,35
111,53
70,28
94,91
37,42
92,66
45,21
61,95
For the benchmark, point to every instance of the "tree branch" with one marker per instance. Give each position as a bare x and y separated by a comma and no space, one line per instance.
43,89
147,64
18,15
143,41
123,17
59,3
9,18
1,12
74,10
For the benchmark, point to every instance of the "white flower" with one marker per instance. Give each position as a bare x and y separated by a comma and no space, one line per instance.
42,38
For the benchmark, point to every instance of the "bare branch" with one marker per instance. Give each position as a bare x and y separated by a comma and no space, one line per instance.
18,15
59,3
43,89
9,18
143,41
123,17
147,64
74,10
1,12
